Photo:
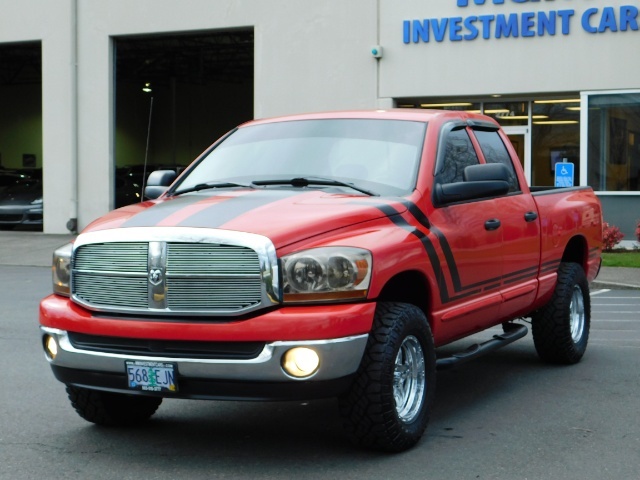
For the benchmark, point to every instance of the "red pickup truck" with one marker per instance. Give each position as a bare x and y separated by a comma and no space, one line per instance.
317,256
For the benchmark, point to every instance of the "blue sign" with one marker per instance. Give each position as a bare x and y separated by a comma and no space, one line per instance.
564,174
519,24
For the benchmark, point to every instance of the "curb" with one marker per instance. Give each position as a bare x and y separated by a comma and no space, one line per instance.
596,285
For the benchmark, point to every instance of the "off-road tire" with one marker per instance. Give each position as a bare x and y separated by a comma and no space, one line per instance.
112,409
389,403
561,328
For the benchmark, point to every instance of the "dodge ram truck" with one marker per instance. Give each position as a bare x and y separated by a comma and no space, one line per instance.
322,255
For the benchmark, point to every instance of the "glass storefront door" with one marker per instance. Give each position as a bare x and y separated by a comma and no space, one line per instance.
521,140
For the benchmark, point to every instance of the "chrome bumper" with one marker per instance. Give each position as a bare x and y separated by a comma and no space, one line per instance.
338,358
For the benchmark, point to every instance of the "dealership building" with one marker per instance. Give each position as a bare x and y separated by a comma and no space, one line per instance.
89,90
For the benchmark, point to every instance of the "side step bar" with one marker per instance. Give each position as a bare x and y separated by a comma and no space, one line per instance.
512,332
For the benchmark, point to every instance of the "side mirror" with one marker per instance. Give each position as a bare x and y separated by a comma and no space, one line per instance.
480,181
158,183
486,171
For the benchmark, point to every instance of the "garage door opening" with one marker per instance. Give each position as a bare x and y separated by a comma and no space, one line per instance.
174,95
21,136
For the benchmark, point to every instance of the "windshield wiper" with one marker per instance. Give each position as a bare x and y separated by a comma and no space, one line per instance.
208,185
306,181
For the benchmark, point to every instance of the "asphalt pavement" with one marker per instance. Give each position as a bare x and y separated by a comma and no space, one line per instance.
35,249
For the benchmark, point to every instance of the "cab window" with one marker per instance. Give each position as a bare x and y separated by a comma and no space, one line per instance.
458,154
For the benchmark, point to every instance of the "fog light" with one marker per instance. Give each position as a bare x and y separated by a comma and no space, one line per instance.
51,347
300,362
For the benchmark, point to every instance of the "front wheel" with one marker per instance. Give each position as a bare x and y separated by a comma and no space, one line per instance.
561,328
112,409
388,405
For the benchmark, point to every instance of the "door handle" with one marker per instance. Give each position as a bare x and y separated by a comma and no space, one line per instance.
492,224
530,216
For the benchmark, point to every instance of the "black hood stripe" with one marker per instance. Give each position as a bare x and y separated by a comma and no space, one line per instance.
214,215
160,211
218,214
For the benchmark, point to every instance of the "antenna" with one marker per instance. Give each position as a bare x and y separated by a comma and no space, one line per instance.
146,152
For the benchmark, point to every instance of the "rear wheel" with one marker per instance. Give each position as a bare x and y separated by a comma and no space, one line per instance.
390,400
112,409
561,328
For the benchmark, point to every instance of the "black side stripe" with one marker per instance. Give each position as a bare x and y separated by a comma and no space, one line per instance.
451,261
468,290
397,219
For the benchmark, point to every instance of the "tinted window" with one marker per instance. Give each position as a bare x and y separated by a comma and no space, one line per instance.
494,151
458,154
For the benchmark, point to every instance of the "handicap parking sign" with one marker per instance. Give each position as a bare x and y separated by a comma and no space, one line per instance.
564,174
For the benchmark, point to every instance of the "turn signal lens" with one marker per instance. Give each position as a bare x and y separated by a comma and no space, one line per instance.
300,362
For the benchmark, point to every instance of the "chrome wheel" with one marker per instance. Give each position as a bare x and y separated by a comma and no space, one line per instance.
577,315
409,379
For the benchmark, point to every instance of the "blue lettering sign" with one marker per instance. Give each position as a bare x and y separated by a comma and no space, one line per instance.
465,3
628,18
566,15
546,23
586,20
486,25
455,28
439,28
470,25
527,24
609,21
523,24
507,28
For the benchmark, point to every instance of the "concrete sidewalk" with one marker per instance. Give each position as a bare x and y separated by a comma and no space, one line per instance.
32,249
35,249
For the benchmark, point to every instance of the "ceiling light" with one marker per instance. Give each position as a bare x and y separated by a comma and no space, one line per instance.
556,122
520,117
438,105
566,100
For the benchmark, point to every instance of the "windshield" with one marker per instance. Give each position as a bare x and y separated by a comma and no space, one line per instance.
381,155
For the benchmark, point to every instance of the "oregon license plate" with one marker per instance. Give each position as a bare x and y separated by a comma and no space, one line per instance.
151,376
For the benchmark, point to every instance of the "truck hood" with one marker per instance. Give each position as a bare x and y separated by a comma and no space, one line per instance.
284,215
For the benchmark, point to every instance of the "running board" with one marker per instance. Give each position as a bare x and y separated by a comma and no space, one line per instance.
513,332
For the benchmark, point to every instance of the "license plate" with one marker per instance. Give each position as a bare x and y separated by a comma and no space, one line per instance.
151,376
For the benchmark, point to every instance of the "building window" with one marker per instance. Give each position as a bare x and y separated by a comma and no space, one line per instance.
555,138
613,153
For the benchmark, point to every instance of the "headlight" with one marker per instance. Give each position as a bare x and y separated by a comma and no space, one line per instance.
326,274
61,269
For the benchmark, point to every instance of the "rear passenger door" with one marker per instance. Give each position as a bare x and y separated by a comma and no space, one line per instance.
520,227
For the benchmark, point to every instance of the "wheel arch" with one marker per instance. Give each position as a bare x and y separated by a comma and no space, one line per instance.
410,286
577,251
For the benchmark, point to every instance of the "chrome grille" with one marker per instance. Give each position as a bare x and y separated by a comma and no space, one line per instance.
172,277
114,257
199,293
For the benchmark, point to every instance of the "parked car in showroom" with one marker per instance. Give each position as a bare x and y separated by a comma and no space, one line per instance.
20,201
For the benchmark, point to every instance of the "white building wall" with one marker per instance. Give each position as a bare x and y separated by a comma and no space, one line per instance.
49,22
308,56
573,62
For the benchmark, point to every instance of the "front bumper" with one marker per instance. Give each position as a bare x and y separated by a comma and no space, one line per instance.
20,215
261,377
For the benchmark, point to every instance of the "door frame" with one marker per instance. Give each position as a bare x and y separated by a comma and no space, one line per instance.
525,131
